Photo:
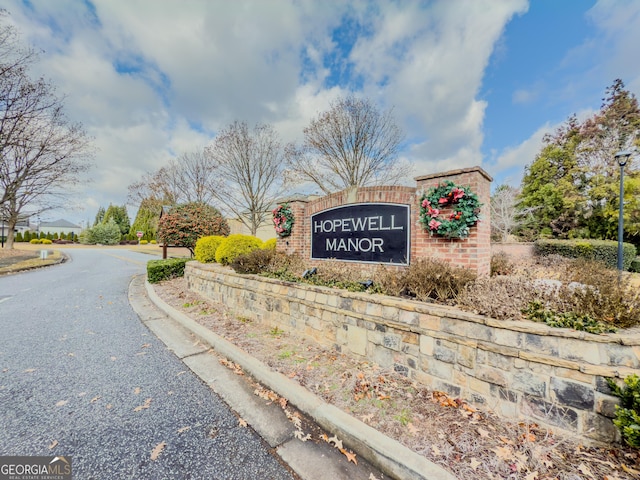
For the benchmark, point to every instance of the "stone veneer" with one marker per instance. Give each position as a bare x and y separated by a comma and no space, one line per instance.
518,369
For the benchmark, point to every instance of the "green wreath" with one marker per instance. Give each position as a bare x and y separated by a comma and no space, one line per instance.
464,205
283,220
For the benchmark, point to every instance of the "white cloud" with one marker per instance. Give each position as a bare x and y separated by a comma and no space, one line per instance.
151,81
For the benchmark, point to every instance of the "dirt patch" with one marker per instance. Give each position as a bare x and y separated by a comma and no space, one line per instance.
469,442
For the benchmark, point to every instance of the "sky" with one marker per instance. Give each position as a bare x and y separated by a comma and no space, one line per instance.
470,82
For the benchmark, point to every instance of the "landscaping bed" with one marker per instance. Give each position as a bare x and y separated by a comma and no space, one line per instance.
469,442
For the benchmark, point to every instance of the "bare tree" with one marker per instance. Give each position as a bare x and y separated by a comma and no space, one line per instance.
506,216
249,164
190,178
41,153
350,145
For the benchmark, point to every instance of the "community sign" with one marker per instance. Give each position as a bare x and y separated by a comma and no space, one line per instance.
362,232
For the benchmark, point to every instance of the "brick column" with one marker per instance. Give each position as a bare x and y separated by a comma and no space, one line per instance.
297,242
473,252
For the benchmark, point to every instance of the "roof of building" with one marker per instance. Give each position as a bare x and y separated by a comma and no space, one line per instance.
60,223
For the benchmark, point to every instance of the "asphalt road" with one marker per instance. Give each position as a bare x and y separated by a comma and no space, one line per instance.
81,376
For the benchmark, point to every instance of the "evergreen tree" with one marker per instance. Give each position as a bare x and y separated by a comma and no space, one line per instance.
572,185
146,220
99,216
120,216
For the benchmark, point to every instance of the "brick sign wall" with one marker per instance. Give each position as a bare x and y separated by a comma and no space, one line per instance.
374,225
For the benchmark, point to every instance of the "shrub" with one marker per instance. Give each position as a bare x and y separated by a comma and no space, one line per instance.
501,264
205,250
46,241
635,265
254,262
234,246
628,412
158,270
35,241
18,237
103,233
432,279
605,251
184,224
143,242
153,242
270,244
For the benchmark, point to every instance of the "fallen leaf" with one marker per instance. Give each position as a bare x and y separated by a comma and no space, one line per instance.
336,443
95,399
412,428
181,373
53,445
503,453
242,422
367,418
184,429
482,432
137,390
146,345
506,440
71,354
324,437
299,434
435,450
155,453
29,370
61,403
141,353
109,406
144,406
531,476
474,463
351,457
113,359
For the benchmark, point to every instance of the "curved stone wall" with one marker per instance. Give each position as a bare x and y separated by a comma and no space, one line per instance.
518,369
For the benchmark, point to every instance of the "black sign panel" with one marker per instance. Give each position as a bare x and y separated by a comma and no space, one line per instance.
362,232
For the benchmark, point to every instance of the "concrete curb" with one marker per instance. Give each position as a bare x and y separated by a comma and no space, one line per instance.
390,456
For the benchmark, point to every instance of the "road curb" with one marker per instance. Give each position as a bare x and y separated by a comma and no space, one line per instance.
385,453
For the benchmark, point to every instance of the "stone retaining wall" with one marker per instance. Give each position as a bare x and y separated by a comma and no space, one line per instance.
520,370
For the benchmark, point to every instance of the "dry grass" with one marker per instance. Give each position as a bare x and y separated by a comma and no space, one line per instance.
471,443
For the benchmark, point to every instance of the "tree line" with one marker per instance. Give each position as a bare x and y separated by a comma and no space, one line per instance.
245,170
571,189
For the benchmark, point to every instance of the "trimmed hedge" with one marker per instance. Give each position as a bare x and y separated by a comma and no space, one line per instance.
235,245
605,251
205,250
158,270
635,265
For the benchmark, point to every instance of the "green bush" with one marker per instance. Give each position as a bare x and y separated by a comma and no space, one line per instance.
152,242
270,244
628,412
27,236
605,251
35,241
158,270
46,241
236,245
205,249
143,242
635,265
18,237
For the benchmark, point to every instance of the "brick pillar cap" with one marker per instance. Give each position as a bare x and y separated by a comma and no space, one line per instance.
455,172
